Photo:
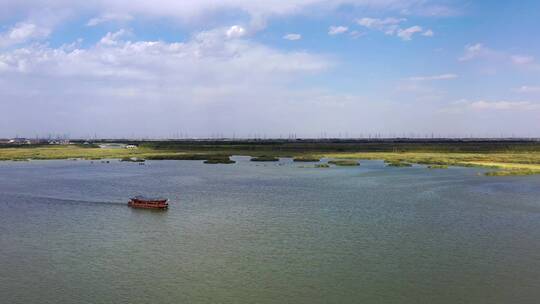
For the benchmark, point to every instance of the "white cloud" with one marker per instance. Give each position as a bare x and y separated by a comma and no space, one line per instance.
528,89
356,34
392,26
388,25
490,105
206,82
521,59
114,56
235,31
109,18
425,8
428,33
473,51
292,37
407,33
434,77
479,51
23,32
199,11
335,30
112,38
504,105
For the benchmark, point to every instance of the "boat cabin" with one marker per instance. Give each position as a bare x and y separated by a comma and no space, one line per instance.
148,202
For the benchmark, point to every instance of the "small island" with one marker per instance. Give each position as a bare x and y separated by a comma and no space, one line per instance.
504,157
344,162
220,160
398,164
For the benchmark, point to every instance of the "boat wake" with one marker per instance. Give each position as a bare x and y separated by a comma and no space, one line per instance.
55,200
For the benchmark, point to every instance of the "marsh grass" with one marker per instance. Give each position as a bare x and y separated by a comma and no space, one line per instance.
219,161
265,158
322,166
397,163
132,159
516,158
437,167
507,161
345,162
512,172
186,156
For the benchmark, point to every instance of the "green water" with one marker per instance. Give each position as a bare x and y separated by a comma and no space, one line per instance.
266,233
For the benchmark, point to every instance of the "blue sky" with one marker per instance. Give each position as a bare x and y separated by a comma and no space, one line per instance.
204,68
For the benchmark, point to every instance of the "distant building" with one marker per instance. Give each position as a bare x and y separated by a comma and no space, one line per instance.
59,142
19,141
112,146
37,141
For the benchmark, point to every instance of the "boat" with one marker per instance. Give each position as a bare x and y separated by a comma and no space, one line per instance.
148,202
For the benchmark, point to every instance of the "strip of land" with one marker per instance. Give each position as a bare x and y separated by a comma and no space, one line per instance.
509,157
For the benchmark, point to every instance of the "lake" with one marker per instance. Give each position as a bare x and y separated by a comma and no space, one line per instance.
266,233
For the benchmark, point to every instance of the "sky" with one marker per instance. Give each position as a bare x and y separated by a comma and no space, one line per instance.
274,68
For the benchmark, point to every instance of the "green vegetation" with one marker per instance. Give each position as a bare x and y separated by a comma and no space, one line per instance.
437,167
265,158
508,161
322,166
512,172
399,164
208,158
306,159
186,156
507,157
132,159
344,162
226,160
312,147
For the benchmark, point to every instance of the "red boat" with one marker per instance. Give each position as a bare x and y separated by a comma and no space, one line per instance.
148,202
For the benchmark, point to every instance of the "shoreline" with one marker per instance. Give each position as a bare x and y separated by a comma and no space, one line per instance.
503,163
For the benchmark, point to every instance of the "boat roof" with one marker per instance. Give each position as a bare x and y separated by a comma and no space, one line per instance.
148,198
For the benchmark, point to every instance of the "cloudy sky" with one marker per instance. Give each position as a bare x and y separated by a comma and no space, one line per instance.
168,68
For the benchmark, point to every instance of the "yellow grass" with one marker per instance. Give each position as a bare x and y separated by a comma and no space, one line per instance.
511,163
514,162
